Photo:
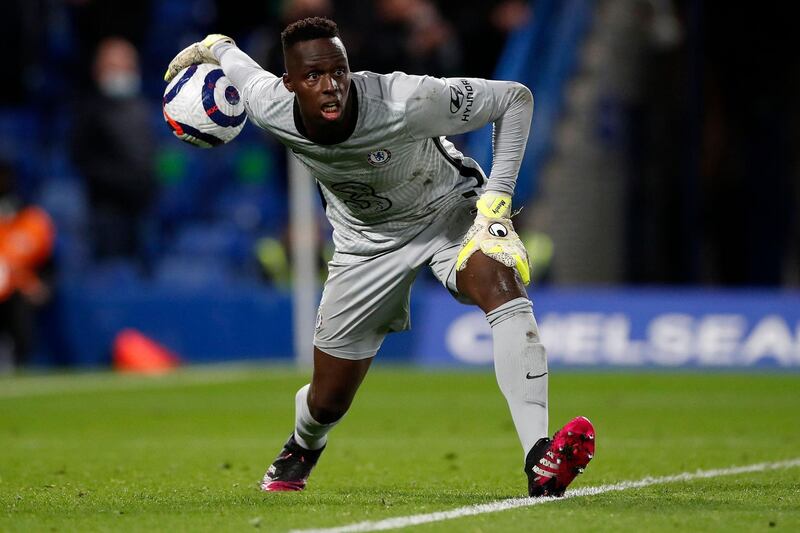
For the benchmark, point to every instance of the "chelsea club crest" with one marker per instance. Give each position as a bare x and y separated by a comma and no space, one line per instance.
378,158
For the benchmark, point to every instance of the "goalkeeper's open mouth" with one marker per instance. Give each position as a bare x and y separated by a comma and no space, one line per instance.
331,110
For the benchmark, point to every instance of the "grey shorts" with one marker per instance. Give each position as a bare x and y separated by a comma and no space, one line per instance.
364,301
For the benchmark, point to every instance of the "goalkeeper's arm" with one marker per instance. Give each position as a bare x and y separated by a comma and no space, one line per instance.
458,105
451,106
219,50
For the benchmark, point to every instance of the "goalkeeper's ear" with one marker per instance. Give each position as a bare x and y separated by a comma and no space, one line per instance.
287,83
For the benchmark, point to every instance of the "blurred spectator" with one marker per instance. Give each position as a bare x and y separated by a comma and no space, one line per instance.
23,33
290,11
26,244
750,143
641,120
258,28
96,20
411,36
113,148
483,26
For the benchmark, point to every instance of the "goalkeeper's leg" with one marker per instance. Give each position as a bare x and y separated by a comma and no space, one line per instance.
521,367
519,357
318,408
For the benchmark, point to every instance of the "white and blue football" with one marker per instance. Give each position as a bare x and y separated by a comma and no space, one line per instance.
202,107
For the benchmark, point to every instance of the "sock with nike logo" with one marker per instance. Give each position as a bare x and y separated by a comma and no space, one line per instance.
520,364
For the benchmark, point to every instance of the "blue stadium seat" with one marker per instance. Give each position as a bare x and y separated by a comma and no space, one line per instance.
65,201
206,239
252,208
187,271
19,146
72,255
113,273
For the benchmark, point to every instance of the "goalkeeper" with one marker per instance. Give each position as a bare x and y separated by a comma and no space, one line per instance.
401,197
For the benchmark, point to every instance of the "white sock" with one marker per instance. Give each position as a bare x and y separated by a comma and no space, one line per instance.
308,433
520,364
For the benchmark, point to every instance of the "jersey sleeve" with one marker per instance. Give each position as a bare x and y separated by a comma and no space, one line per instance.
450,106
257,86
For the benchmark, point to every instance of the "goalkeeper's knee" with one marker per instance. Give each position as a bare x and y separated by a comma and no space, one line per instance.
497,240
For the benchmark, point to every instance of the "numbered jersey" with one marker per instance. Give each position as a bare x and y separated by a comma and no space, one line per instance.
396,172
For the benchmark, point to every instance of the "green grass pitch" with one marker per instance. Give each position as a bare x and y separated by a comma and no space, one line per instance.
184,452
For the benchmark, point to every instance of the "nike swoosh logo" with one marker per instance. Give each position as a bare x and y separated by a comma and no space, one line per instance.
528,375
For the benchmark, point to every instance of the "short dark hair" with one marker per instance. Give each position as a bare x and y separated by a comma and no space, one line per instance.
308,29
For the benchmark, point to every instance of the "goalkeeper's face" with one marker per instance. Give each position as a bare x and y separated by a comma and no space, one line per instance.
318,73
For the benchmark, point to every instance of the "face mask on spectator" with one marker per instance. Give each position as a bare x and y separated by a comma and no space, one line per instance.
120,84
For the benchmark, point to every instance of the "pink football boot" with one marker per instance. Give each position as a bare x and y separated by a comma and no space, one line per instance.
290,470
552,464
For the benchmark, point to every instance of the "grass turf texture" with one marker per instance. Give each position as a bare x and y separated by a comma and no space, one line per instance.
185,451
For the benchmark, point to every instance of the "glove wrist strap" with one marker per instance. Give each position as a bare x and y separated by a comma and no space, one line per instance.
494,205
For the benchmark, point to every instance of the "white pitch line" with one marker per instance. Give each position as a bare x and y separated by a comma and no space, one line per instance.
503,505
45,385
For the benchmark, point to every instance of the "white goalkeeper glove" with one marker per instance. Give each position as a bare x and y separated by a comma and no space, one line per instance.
494,235
196,53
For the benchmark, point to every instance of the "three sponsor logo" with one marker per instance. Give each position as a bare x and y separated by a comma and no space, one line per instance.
360,197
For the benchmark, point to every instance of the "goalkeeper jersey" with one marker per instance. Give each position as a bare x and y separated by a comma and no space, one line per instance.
397,171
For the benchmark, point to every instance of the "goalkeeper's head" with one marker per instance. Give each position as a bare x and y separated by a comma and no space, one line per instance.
318,73
308,29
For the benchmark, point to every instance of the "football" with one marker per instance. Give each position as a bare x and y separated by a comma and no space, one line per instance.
202,107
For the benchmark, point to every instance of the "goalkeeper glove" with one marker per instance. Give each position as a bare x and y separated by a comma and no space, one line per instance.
196,53
494,235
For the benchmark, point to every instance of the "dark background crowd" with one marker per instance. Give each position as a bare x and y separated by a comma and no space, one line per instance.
686,146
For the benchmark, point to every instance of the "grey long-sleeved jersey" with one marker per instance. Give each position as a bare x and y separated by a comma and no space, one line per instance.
396,171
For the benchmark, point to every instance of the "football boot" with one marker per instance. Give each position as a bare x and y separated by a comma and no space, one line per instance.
552,464
291,468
